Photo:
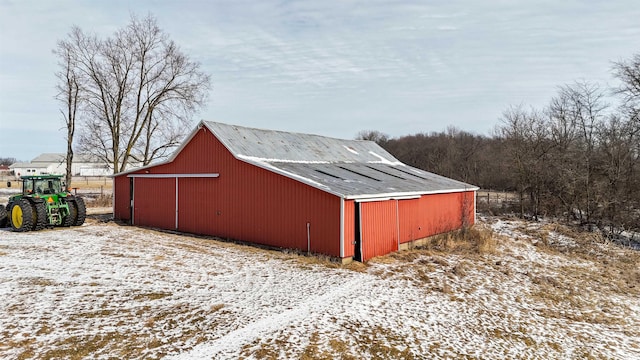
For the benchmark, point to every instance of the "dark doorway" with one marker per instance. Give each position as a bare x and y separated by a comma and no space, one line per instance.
357,251
131,200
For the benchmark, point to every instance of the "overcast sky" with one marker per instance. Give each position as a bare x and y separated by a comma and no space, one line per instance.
331,67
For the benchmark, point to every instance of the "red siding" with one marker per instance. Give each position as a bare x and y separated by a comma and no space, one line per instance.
411,220
245,202
379,228
434,214
154,202
121,201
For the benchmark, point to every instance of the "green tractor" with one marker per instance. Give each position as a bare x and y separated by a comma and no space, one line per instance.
43,203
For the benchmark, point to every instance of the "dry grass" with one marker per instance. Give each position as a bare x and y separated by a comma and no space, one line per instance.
377,342
474,240
104,200
91,183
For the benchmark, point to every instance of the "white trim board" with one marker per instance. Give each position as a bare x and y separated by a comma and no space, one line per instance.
164,176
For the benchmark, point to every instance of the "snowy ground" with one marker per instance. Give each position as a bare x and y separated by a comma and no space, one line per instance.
104,290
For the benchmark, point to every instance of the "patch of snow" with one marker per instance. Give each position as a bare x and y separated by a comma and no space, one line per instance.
195,298
350,149
265,163
384,160
272,160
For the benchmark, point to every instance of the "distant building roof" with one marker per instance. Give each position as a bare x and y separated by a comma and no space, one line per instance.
26,165
49,158
59,158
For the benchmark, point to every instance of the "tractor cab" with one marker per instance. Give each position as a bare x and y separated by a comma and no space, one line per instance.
42,185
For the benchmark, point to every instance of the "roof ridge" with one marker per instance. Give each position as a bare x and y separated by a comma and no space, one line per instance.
266,145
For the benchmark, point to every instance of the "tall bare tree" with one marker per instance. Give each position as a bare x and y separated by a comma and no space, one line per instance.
628,72
69,95
141,91
587,109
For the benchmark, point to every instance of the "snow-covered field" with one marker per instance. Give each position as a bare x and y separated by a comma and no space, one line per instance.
109,291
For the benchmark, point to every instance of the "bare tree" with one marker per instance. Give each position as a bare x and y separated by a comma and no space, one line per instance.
373,135
140,90
587,109
526,135
7,160
628,72
69,94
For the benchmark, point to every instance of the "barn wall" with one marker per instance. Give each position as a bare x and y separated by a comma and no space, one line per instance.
154,202
121,207
435,214
379,228
245,202
412,220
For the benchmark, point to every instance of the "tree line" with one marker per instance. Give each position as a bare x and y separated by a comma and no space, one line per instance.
577,158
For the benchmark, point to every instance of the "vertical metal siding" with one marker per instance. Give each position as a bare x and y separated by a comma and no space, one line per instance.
155,203
411,220
245,203
469,204
435,214
446,212
379,228
121,201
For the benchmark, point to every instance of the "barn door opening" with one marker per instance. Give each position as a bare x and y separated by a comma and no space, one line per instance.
131,200
357,251
378,224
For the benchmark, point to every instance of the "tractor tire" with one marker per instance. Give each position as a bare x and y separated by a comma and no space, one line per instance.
41,216
73,213
22,216
81,212
3,217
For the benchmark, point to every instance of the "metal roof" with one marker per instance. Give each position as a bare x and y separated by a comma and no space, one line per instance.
26,165
353,169
50,158
59,158
281,146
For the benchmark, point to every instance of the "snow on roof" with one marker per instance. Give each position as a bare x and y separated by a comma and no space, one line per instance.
348,168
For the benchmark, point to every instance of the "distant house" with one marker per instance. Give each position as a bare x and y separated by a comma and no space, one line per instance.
27,168
55,163
348,199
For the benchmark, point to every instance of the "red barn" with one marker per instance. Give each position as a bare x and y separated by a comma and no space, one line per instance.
349,199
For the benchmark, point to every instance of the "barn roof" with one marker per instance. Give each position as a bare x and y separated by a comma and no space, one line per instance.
348,168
